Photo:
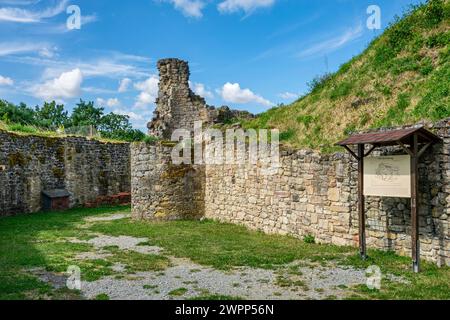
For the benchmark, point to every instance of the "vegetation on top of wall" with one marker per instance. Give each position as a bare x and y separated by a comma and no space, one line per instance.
401,78
52,120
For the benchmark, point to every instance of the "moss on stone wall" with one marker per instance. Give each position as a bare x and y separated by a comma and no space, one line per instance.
17,159
176,171
60,151
58,173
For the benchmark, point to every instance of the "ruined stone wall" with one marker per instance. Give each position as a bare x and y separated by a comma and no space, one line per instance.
316,194
162,190
86,168
177,106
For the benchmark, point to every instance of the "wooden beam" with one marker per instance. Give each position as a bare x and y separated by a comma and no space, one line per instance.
370,151
405,148
351,152
424,148
361,210
415,245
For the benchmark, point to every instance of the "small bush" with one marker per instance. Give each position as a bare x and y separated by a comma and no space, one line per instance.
309,239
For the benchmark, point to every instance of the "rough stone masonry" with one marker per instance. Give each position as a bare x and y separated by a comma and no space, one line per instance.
86,168
311,194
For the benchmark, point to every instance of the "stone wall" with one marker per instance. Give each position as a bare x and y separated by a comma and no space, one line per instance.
316,194
161,190
310,194
177,107
86,168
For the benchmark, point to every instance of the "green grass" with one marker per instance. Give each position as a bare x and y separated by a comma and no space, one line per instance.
37,240
102,296
228,246
178,292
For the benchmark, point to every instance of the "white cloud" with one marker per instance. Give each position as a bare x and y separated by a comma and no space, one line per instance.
124,85
28,16
189,8
232,92
11,48
67,85
5,81
112,102
288,95
248,6
149,92
333,43
200,89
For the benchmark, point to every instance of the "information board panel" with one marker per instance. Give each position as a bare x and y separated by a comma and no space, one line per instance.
388,176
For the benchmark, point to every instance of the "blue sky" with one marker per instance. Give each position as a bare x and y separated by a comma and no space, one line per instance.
248,54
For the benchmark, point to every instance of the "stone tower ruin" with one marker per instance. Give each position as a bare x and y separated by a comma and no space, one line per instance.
177,106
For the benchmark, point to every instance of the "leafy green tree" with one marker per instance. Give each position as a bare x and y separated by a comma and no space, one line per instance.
86,114
16,114
115,126
114,122
52,115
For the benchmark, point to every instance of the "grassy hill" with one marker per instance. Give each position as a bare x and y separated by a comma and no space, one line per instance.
402,77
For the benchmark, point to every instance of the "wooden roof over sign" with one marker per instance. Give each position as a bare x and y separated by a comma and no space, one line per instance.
392,137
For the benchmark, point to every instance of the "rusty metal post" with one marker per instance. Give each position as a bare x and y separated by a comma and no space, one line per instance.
415,245
361,209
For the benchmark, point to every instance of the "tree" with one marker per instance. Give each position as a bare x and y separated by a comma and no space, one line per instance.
86,114
115,126
16,114
51,115
114,122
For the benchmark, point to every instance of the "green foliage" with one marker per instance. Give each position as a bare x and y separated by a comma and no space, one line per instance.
51,116
20,114
86,114
309,239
